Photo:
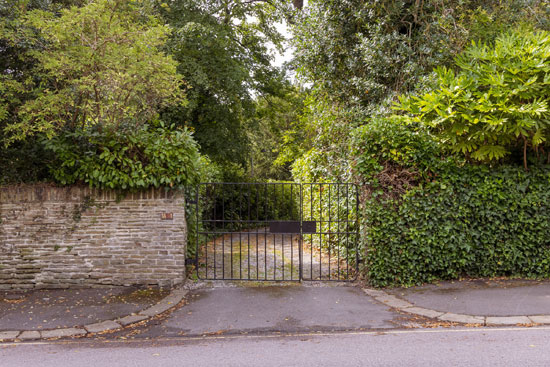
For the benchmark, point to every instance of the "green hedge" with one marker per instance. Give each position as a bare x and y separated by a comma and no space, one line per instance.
473,221
450,219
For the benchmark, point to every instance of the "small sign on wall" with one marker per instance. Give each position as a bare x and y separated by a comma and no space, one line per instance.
166,216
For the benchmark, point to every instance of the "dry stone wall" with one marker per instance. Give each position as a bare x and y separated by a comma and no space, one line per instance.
57,237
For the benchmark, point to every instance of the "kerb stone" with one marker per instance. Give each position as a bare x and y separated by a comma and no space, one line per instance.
131,319
393,301
540,319
423,312
60,333
100,327
8,335
29,335
464,319
508,320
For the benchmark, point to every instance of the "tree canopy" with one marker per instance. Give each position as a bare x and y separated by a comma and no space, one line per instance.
222,52
97,74
101,66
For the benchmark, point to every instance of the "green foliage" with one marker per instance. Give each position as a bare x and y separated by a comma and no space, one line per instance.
322,134
133,159
24,162
359,55
426,217
222,52
101,64
472,221
386,148
81,89
274,133
498,101
364,52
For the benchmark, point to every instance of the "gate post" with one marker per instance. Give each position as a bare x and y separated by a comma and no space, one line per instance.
301,237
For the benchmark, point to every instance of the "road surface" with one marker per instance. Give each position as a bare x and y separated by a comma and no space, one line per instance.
414,347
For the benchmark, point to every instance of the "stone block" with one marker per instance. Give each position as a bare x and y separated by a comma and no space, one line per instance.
29,335
159,308
540,319
393,301
100,327
423,312
131,319
8,335
60,333
464,319
507,320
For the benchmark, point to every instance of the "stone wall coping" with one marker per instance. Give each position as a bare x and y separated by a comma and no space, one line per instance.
76,193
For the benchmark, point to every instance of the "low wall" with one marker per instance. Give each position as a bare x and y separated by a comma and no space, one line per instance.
52,237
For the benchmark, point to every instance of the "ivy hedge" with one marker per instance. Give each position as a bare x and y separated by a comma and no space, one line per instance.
427,218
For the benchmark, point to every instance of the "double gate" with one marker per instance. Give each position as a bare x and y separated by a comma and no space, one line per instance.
277,231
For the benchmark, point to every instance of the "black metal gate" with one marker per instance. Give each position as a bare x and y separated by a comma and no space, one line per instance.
277,231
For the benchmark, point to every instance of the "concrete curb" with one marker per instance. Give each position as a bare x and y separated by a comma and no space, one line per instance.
405,306
170,301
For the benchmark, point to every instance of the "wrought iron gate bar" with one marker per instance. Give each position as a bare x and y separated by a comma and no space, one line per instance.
318,220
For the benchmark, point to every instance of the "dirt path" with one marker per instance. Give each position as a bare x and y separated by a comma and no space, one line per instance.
259,255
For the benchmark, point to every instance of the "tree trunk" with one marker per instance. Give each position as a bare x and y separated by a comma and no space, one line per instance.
525,153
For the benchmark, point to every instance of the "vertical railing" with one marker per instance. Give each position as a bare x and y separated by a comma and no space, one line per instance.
277,231
332,252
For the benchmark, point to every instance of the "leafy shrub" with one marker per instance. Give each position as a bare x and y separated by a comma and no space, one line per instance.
426,218
136,159
498,101
99,64
392,156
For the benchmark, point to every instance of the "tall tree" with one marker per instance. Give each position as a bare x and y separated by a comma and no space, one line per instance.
222,48
276,133
359,55
102,67
23,160
365,52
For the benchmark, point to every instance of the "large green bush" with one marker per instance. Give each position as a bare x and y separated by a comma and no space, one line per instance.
471,222
133,159
427,218
102,65
497,102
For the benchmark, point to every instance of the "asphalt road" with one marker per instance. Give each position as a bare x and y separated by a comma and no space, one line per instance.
415,347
